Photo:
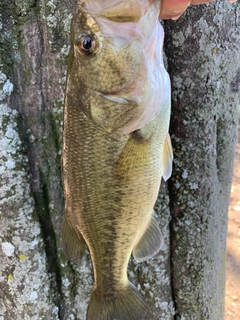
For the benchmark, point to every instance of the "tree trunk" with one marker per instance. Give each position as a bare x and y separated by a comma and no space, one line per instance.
36,280
203,56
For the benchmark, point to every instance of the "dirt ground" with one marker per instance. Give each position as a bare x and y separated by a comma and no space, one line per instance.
232,298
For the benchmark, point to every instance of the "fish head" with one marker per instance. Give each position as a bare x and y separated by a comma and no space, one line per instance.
116,63
105,52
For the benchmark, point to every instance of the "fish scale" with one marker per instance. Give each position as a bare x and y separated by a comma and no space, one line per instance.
111,173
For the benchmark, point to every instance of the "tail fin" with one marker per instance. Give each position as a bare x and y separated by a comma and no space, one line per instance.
127,305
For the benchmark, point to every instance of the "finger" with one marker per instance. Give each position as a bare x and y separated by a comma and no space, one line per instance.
196,2
171,9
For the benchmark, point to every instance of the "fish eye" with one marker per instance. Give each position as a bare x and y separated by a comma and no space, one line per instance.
86,44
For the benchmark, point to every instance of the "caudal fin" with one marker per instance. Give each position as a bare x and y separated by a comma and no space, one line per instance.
127,305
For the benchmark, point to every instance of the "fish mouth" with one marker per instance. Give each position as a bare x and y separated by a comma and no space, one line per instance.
118,10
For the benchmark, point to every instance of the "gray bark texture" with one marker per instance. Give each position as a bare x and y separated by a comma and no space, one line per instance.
186,280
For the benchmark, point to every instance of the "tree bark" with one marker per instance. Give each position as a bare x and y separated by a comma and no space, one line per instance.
36,279
203,57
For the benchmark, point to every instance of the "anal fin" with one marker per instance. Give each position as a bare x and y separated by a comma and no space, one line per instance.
73,244
150,242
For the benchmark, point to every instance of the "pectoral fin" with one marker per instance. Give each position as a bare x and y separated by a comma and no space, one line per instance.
167,158
134,157
150,243
73,244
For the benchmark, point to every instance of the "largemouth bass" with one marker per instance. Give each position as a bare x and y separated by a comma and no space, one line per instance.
116,147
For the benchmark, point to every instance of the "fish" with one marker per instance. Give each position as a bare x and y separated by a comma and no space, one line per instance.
116,147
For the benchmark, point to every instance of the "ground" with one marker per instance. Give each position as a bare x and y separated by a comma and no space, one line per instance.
232,298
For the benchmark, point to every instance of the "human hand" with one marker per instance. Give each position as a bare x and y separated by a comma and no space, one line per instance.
173,9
